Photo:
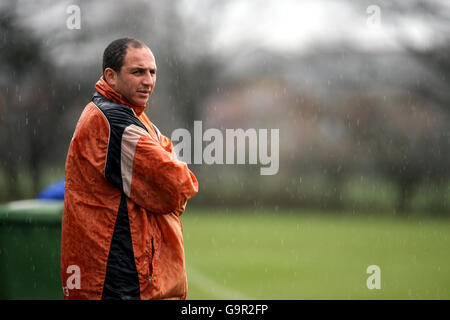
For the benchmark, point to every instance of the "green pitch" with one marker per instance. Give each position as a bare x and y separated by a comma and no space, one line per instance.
280,255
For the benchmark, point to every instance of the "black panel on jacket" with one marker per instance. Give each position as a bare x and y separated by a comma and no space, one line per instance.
122,280
119,117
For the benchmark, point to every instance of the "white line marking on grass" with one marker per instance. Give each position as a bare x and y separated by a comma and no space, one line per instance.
215,289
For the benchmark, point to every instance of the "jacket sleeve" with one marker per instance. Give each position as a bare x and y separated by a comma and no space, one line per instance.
152,176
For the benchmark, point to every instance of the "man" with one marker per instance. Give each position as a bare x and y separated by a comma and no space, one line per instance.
125,190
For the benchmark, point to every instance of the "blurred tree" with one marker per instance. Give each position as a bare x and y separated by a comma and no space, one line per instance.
405,138
35,94
191,70
422,30
435,56
20,56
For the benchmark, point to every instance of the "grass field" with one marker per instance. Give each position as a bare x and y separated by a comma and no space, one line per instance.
286,255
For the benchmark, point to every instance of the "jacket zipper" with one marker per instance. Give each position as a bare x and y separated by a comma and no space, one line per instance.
150,265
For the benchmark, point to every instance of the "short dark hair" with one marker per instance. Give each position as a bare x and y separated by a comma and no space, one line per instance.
115,52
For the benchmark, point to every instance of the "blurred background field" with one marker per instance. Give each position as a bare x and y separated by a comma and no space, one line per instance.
255,254
248,254
359,91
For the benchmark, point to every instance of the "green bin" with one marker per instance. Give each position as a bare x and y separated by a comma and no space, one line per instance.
30,242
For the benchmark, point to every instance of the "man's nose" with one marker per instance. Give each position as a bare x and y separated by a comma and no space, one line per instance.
148,80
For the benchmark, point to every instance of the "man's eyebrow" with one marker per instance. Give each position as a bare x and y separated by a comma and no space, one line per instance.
142,68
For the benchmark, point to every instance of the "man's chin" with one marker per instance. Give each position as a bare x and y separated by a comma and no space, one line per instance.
140,102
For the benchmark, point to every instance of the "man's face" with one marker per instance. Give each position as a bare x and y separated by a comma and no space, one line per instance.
137,77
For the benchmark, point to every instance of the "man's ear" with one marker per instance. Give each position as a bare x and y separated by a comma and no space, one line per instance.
110,77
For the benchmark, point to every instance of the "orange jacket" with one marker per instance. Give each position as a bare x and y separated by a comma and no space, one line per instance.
125,190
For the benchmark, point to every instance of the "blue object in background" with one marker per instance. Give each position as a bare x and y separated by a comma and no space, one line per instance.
54,191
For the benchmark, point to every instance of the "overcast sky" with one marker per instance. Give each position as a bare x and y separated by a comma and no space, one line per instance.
293,25
281,25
